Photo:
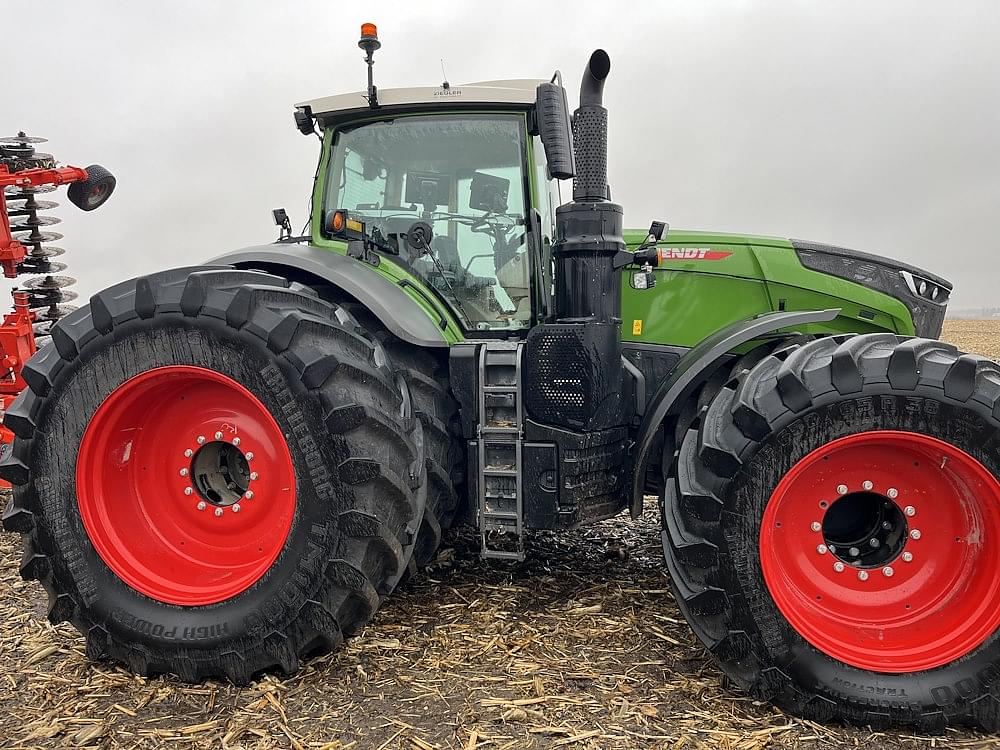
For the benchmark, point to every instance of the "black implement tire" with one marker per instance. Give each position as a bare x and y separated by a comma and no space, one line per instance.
788,412
354,450
426,374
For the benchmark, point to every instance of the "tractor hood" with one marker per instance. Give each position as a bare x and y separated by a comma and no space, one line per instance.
727,276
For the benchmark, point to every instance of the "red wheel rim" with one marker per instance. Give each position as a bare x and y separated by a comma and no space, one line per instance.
933,594
185,485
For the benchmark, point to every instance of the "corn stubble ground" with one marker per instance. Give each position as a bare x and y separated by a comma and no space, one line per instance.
581,646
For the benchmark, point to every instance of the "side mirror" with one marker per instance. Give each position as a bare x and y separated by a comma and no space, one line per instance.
304,121
656,231
554,128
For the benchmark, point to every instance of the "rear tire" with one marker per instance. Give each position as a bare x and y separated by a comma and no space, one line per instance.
435,407
355,488
733,564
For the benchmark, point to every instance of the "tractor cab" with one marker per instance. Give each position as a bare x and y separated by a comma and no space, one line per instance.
448,184
449,196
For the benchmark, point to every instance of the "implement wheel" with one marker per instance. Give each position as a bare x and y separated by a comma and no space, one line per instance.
832,529
214,474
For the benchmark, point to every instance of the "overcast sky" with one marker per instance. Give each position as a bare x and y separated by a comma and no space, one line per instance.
870,124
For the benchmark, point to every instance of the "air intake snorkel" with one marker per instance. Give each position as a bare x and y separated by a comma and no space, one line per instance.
589,230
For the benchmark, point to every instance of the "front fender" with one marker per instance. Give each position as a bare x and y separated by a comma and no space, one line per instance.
700,362
387,301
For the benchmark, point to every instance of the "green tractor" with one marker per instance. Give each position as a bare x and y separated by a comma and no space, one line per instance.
221,470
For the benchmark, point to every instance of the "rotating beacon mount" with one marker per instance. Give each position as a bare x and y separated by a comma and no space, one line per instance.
25,250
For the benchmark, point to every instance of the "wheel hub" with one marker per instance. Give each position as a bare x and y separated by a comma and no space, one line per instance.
220,475
864,529
848,563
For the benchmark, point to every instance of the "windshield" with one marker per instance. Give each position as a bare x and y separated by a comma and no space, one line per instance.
462,176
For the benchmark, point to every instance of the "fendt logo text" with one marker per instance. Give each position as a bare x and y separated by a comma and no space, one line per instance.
692,253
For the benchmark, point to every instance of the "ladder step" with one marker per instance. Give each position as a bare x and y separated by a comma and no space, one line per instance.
501,431
497,554
501,515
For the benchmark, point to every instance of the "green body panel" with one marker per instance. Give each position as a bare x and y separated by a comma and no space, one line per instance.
727,278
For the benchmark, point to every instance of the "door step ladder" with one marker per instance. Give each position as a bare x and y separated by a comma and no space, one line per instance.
501,432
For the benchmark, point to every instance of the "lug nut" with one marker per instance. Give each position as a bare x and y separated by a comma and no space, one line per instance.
188,453
184,472
254,475
839,566
188,491
893,493
248,494
910,511
862,575
868,484
887,571
236,441
236,508
249,455
915,534
202,505
873,542
821,549
842,489
218,512
907,556
201,440
833,548
854,551
218,436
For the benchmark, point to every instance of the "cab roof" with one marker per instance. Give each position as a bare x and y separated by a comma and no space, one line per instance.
513,91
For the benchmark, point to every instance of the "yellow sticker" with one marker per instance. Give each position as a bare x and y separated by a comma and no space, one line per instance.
636,327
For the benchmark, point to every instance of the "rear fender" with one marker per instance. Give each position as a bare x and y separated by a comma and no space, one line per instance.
387,301
694,368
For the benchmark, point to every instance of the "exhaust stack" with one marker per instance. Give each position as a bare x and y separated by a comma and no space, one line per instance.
590,132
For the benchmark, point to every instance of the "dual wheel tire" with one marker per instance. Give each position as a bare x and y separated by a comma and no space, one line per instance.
216,473
831,524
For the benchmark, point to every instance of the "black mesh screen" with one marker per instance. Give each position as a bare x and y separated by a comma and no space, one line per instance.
590,135
573,375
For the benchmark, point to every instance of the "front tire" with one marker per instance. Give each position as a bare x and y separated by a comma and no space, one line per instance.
832,531
214,474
